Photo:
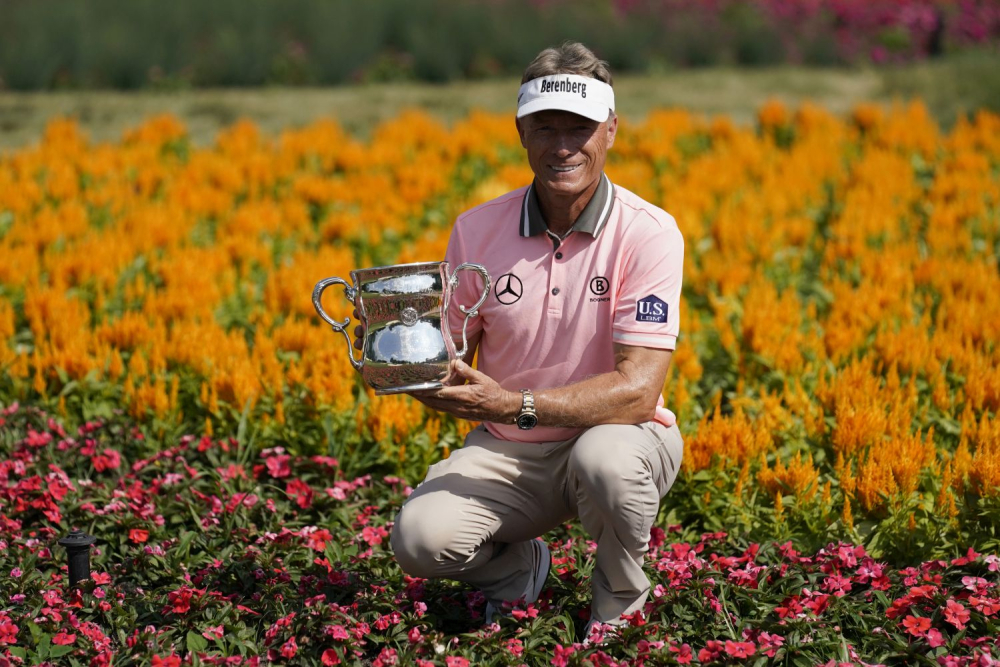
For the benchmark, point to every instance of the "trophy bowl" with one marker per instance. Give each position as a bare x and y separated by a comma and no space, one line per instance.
407,345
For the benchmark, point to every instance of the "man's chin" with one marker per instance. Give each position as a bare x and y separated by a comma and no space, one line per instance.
564,188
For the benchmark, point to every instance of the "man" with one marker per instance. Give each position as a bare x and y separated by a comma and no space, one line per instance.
574,344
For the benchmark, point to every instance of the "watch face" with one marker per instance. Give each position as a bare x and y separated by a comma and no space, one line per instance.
526,421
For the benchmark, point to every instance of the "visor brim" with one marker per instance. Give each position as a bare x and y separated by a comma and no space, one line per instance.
594,111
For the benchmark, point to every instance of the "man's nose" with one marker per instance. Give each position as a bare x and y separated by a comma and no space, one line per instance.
565,144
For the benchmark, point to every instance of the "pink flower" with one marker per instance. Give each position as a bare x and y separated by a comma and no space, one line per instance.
386,657
561,656
63,639
956,614
279,466
934,638
414,635
740,649
770,642
330,658
419,608
916,625
101,578
374,536
515,647
683,652
213,632
337,632
454,661
16,573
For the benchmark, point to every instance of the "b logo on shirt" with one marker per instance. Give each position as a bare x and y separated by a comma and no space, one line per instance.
651,309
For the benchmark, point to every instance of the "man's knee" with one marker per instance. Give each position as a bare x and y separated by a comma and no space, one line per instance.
423,541
602,460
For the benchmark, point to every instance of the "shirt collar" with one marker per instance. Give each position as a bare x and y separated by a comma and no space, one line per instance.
592,219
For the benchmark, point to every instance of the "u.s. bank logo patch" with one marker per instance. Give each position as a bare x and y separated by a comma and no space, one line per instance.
651,309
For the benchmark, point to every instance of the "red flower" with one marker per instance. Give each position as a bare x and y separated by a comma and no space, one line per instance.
330,658
515,647
317,540
169,661
63,639
984,605
713,649
934,638
300,492
101,578
138,535
289,649
956,614
180,600
916,626
8,632
109,459
740,649
454,661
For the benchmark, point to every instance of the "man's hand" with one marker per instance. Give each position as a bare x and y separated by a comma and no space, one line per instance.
472,395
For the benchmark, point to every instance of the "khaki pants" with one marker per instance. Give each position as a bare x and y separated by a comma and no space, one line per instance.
475,513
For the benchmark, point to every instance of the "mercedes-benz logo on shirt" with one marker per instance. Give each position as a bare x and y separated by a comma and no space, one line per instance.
508,289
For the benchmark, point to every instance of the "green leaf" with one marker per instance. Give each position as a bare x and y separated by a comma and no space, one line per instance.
58,651
195,642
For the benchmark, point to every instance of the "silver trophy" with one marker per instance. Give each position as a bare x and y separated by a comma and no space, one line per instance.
407,344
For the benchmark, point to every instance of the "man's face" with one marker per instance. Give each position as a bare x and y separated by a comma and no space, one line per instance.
566,151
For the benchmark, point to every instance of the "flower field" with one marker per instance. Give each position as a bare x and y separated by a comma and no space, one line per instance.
166,386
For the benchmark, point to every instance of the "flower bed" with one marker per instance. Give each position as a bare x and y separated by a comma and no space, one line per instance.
212,549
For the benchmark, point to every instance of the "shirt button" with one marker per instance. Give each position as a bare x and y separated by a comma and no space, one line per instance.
558,255
555,291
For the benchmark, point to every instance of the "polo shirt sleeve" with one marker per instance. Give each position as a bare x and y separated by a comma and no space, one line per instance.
470,287
648,307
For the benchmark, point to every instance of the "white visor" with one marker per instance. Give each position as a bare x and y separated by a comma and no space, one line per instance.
567,92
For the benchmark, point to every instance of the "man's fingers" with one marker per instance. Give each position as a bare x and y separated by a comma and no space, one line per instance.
359,333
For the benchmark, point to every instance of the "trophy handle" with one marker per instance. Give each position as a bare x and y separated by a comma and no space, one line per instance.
350,293
470,312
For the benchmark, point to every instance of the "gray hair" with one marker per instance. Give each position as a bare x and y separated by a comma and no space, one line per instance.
568,58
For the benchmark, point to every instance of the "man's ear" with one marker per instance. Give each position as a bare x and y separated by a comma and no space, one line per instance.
520,131
612,128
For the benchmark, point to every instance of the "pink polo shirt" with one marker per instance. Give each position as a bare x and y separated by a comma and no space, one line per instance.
557,306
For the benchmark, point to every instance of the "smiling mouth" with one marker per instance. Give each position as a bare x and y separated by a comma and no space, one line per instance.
565,170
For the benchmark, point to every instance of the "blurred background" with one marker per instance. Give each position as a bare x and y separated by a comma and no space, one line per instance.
110,63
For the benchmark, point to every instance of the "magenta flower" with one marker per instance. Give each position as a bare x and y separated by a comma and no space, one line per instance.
63,639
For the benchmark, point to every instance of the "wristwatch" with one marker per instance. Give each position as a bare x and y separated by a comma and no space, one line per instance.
526,419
